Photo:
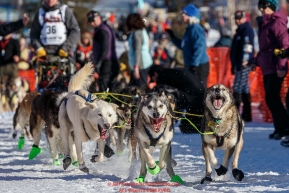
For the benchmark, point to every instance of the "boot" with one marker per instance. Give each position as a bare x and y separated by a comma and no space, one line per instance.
238,99
246,114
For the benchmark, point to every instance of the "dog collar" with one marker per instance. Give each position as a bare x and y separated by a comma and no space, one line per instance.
154,141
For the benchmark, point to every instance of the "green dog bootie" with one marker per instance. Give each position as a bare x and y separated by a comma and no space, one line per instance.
155,170
120,153
34,152
56,162
21,143
75,163
177,179
140,179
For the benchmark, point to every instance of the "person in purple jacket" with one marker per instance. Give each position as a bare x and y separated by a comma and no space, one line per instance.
273,34
104,53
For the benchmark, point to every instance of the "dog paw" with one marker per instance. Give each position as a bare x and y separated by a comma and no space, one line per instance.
66,162
108,152
206,179
238,174
221,170
96,158
83,168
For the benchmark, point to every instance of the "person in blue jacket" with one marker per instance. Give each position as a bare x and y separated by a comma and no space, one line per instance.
190,81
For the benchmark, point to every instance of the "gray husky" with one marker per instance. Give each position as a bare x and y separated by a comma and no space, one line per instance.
154,128
225,130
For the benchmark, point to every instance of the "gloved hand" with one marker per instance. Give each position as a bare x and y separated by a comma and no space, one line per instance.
40,52
62,53
281,53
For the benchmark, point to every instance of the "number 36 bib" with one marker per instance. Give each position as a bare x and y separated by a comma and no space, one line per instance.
53,28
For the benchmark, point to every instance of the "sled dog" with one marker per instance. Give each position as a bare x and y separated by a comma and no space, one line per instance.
225,129
83,117
154,128
21,118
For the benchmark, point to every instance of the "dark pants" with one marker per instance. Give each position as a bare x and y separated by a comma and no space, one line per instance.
192,85
143,80
108,72
272,86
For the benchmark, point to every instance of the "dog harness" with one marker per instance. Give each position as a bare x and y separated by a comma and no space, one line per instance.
88,99
85,130
154,141
220,139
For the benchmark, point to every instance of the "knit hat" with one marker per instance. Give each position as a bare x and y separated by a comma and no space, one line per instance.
272,4
191,11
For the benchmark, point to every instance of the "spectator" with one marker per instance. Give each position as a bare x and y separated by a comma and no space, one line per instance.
242,52
83,53
273,34
139,56
6,29
225,39
161,57
24,55
10,53
54,31
104,53
191,80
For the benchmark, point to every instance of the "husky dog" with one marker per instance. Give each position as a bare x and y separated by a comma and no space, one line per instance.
153,128
125,112
87,118
21,118
13,94
223,119
44,113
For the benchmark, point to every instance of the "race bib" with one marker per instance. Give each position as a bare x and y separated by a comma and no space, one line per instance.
53,33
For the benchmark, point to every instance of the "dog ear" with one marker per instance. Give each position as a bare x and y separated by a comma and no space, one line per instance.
91,105
114,106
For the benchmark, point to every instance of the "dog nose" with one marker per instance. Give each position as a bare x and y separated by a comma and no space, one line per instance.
107,125
217,89
156,114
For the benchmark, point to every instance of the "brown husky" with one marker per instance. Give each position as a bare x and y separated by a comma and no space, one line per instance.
224,129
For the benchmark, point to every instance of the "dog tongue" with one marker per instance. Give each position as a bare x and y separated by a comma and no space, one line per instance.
156,123
102,132
218,103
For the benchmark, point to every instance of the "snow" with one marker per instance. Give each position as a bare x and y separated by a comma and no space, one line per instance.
264,162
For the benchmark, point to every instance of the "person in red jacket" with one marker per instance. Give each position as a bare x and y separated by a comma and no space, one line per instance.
83,53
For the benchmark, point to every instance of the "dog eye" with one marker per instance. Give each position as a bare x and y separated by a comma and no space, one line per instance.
223,89
161,106
109,115
100,115
149,107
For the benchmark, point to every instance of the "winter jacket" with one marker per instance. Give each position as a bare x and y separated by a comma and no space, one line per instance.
8,28
72,28
272,34
139,53
12,48
193,45
237,53
104,44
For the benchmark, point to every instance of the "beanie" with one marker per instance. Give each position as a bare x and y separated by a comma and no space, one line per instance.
191,11
272,4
